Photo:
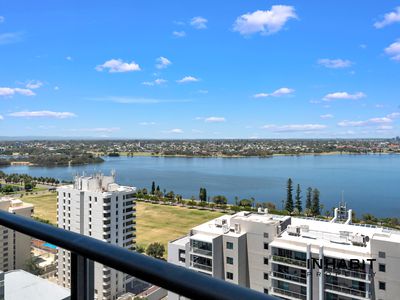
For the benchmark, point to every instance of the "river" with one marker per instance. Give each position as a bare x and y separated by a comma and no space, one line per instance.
370,183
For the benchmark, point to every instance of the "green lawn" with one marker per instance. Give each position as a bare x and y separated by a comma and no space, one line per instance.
154,222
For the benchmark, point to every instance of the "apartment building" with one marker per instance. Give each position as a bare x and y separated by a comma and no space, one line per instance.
294,258
15,248
97,206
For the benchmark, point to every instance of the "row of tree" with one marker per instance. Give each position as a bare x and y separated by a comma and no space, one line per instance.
23,178
312,205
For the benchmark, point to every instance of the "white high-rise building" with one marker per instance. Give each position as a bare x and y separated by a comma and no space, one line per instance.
98,207
15,247
294,258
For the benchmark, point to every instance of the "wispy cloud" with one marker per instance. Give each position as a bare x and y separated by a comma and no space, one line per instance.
118,66
343,96
2,19
1,117
10,37
175,131
97,129
158,81
278,93
199,22
162,62
34,84
326,116
335,63
187,79
147,123
42,114
69,58
214,119
179,34
294,127
370,122
9,92
138,100
394,50
389,18
265,21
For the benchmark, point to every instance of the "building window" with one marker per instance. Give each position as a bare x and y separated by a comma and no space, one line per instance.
266,235
382,268
382,285
265,291
382,254
266,276
229,275
229,260
229,245
181,256
265,261
266,246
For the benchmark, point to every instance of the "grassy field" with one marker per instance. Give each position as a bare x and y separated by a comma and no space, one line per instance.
45,205
154,222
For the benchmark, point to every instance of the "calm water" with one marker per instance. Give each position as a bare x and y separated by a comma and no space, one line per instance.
370,182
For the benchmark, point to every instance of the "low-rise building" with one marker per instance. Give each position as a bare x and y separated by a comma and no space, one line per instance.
294,258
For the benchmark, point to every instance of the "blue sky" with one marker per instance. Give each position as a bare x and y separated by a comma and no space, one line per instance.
200,69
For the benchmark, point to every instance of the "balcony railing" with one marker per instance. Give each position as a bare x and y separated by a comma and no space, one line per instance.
347,273
201,251
290,261
290,277
346,290
202,267
86,250
289,293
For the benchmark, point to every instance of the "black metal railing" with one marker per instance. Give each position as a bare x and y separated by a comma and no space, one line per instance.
86,250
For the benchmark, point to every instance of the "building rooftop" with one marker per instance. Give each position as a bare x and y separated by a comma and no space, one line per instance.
21,285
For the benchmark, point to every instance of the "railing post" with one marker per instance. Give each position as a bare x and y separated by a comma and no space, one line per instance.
82,278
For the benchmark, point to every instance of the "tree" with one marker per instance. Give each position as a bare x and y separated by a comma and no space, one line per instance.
203,195
28,186
308,199
140,249
155,250
220,200
158,188
315,206
33,267
153,188
298,204
289,197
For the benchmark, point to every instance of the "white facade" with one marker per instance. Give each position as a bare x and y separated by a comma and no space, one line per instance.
281,255
15,247
98,207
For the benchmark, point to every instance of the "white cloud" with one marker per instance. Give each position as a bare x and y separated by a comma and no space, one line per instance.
385,127
344,96
202,92
2,19
278,93
34,84
98,129
294,127
199,22
326,116
42,114
215,120
69,58
179,34
1,117
162,62
187,79
334,63
56,88
371,122
394,50
157,81
264,21
389,18
10,37
118,66
9,92
147,123
175,130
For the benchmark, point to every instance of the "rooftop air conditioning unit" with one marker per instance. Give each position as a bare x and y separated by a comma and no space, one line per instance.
359,240
293,230
305,228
